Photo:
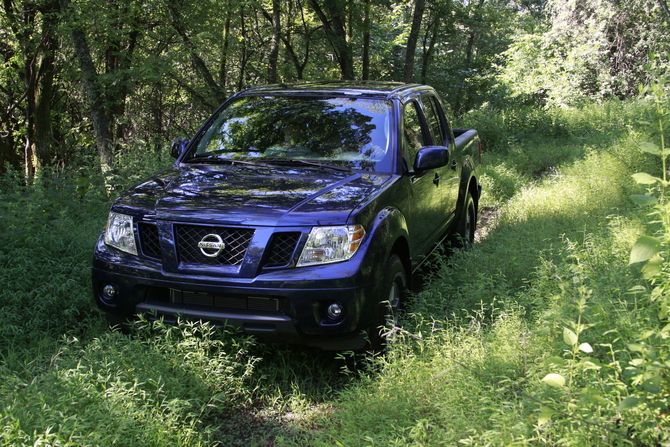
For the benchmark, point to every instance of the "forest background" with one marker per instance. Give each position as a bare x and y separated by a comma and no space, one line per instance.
552,330
123,77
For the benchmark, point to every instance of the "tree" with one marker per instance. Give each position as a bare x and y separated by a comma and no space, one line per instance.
34,27
99,118
588,49
274,45
419,6
333,17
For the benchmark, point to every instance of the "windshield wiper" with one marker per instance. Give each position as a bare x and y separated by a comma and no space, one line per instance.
216,159
300,162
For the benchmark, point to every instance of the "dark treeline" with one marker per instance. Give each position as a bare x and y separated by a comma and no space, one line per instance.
83,81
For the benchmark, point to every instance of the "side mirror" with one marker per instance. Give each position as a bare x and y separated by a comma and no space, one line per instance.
431,157
178,147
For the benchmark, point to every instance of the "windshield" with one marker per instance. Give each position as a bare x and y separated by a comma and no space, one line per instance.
350,132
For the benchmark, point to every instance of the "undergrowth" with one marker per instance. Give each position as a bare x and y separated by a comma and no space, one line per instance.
542,334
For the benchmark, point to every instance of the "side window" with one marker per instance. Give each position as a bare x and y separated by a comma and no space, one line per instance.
413,135
433,119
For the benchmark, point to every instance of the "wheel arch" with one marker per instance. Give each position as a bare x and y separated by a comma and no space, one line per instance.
401,248
390,236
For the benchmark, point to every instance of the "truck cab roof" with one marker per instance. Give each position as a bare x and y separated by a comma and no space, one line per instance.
377,89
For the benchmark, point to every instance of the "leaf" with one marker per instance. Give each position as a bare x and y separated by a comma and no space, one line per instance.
591,396
589,363
555,360
628,402
545,415
585,347
650,148
646,247
569,337
653,385
643,200
554,380
645,179
653,267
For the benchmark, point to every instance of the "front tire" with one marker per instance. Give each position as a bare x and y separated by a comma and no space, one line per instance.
394,291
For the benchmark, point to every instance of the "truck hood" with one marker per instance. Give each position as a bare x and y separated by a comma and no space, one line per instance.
251,195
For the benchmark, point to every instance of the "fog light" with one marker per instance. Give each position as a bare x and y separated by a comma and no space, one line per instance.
109,291
335,311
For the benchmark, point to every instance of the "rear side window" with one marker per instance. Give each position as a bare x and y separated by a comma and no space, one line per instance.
433,119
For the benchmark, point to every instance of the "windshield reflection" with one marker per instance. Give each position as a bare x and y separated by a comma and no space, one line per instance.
350,132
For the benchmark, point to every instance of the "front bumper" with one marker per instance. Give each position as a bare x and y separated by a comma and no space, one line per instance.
280,307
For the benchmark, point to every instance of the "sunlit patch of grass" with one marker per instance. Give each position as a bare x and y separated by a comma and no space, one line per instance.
156,387
437,390
597,184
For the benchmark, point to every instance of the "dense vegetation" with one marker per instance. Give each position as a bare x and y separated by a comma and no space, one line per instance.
92,81
541,334
544,333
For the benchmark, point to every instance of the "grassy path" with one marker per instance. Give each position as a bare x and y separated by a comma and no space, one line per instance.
546,293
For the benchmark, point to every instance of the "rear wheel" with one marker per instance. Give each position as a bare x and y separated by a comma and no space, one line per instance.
394,290
465,236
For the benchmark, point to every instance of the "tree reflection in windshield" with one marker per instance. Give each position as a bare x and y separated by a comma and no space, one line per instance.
353,132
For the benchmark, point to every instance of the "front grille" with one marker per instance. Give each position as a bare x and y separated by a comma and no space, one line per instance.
224,300
281,248
235,241
149,240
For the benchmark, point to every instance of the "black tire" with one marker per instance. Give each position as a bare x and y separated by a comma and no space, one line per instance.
394,291
465,235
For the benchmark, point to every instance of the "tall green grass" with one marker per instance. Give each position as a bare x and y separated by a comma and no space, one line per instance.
467,367
547,293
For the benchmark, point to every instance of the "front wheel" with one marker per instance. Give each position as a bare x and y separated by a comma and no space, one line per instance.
394,290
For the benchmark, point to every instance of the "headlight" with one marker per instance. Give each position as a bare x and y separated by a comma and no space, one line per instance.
119,232
331,244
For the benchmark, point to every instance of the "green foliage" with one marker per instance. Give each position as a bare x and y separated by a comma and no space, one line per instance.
153,388
537,336
542,334
586,50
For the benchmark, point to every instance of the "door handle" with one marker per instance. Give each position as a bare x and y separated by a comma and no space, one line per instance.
436,180
454,165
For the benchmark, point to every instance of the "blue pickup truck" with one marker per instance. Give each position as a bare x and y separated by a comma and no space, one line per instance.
297,213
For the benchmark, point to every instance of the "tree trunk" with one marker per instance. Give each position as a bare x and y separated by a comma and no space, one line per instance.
336,32
44,85
243,52
419,6
103,135
469,51
664,6
223,63
118,61
38,54
198,63
274,45
434,26
366,41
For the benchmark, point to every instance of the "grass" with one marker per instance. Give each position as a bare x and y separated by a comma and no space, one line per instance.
468,368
